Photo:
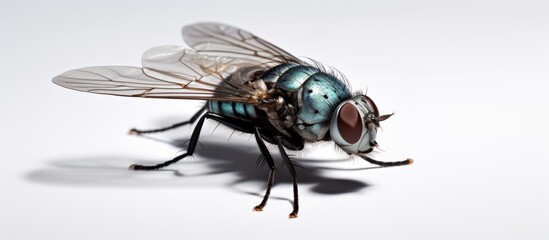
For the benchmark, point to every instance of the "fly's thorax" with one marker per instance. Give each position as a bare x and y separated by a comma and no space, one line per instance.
354,125
317,101
313,94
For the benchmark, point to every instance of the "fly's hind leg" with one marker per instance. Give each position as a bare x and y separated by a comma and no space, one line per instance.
200,112
241,126
270,162
190,150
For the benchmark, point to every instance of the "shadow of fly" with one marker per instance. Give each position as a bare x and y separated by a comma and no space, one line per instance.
251,86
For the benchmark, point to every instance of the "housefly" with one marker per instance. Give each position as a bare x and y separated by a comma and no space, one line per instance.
250,85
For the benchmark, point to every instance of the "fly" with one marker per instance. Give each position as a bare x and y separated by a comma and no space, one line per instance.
250,85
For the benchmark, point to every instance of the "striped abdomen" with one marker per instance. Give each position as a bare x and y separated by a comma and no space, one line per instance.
241,111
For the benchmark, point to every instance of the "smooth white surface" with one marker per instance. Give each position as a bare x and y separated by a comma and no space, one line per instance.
467,80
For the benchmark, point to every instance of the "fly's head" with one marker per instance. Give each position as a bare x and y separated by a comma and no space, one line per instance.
354,125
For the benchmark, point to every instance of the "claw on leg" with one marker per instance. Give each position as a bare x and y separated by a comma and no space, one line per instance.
133,131
258,208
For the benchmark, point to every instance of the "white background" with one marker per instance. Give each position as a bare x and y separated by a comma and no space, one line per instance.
467,80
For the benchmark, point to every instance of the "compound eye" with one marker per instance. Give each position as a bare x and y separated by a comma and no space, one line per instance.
349,123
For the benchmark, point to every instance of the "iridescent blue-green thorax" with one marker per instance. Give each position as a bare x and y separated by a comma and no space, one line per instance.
314,93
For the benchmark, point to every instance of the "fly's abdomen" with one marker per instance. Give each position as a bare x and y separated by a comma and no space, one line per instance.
241,111
315,93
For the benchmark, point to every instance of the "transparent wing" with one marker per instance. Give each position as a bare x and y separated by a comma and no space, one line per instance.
223,40
167,72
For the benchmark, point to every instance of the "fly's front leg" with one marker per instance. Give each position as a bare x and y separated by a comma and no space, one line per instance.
190,150
200,112
387,164
270,162
291,169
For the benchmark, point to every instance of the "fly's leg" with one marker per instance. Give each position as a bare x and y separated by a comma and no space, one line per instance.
291,169
200,112
190,149
241,126
270,162
387,164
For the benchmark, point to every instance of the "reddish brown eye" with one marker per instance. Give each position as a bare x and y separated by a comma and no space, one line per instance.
349,123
